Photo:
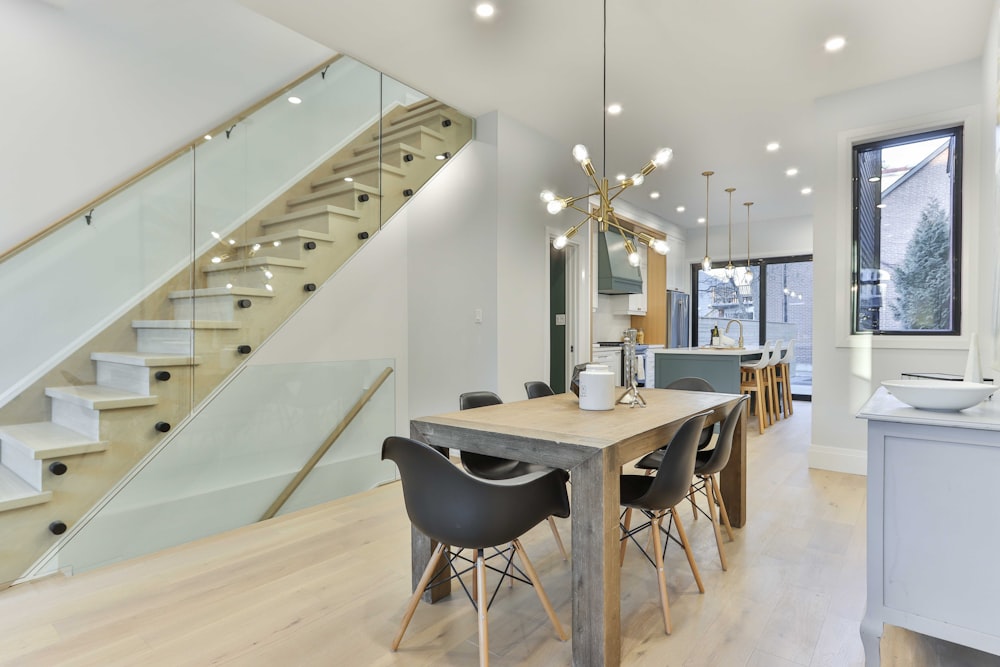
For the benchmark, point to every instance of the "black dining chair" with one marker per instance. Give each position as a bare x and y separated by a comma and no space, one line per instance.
710,462
458,510
652,460
656,497
494,467
537,389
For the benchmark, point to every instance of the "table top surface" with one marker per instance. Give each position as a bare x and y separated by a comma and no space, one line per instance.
558,419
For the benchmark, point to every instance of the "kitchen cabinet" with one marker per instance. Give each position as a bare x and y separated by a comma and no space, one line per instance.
931,503
677,268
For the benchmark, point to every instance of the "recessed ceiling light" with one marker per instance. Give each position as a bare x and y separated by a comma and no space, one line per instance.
806,191
348,179
701,221
773,146
484,10
295,100
791,171
681,209
621,177
874,179
834,44
654,195
208,137
614,109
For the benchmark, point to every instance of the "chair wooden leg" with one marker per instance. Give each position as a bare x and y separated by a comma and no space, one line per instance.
660,576
773,386
481,608
786,369
687,550
425,579
627,523
761,400
555,534
715,522
694,503
722,508
529,570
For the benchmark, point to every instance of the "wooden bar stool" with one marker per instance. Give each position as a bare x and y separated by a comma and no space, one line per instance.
783,379
754,381
774,409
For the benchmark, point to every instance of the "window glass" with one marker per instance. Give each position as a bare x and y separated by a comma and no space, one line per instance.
907,234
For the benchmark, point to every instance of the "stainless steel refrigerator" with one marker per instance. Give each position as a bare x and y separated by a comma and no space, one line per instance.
678,319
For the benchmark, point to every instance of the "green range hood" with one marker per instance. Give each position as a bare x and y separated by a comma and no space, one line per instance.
614,274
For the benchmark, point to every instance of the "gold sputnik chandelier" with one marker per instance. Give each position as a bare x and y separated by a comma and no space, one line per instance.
604,213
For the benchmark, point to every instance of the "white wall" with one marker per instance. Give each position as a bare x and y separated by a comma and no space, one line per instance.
93,92
768,238
846,370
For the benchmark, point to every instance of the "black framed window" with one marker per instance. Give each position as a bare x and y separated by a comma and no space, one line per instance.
906,264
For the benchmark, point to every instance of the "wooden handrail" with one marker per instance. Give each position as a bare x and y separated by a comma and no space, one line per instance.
32,240
319,453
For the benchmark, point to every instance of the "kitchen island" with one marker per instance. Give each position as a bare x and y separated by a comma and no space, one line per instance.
719,365
932,541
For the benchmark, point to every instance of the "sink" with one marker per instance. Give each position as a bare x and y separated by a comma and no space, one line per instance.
939,394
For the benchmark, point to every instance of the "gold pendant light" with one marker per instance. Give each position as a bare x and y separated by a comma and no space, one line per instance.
730,269
748,276
706,263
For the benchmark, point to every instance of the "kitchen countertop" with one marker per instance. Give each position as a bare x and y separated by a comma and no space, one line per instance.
723,351
883,406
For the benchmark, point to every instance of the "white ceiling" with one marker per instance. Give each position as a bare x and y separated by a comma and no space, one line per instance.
715,80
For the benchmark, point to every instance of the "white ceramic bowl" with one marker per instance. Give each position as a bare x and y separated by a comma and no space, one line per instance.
939,394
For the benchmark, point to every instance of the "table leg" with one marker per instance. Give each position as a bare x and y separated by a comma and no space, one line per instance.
733,478
421,548
596,570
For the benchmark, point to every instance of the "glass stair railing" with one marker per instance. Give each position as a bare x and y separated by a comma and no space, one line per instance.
122,319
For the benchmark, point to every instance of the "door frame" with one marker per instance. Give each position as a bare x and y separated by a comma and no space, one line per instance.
575,341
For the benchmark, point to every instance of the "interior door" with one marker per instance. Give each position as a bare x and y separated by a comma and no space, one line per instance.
558,319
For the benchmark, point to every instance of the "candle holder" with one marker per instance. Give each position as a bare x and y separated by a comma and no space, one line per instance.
631,397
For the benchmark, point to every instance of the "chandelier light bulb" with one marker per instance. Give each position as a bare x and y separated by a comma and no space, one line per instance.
547,195
730,270
580,153
555,206
662,156
560,242
660,246
637,179
633,258
706,263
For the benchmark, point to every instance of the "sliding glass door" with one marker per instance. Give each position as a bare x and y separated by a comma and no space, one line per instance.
769,300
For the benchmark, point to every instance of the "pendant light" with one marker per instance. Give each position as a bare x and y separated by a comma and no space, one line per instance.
706,263
748,276
730,269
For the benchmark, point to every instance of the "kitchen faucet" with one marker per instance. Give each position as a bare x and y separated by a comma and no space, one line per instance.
740,324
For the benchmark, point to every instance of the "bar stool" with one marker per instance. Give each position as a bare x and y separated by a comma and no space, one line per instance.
783,378
753,380
772,365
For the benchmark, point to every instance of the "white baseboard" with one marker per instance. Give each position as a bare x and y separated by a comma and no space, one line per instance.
838,459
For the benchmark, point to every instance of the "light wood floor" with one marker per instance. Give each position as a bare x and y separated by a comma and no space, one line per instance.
327,586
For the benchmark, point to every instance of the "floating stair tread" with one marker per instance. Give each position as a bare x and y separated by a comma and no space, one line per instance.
297,234
319,194
255,261
360,165
337,187
235,290
96,397
423,104
47,440
311,213
406,148
15,492
185,324
415,116
149,360
389,136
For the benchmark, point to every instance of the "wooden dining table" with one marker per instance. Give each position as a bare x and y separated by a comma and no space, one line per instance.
593,446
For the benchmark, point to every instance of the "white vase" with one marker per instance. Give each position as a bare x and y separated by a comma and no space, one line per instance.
973,368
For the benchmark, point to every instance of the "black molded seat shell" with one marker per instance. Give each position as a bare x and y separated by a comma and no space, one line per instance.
537,389
451,506
672,480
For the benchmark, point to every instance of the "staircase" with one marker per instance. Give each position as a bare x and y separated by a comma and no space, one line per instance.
69,439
